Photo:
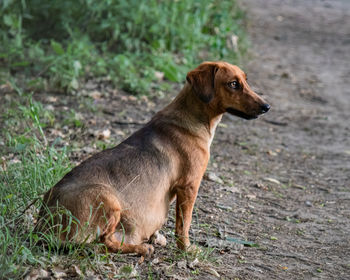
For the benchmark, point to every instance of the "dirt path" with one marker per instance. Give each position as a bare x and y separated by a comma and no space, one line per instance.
301,62
284,179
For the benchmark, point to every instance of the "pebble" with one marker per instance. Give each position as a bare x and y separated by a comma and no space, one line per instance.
182,264
194,263
210,176
308,203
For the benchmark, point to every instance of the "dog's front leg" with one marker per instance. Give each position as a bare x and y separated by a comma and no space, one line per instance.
185,199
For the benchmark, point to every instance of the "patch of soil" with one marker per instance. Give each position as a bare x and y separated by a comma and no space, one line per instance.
284,179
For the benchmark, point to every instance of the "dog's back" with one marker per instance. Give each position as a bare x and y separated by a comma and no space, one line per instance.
140,164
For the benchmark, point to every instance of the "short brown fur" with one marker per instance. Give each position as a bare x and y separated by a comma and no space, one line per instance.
124,193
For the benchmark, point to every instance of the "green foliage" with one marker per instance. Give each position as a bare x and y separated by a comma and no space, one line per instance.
29,165
34,166
62,42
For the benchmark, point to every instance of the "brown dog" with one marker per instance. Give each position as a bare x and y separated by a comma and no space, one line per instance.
123,194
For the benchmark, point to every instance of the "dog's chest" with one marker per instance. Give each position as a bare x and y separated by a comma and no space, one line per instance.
213,126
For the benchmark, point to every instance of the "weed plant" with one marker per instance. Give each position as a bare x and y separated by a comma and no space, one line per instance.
34,165
58,44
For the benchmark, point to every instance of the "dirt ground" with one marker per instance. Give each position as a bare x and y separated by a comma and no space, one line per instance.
283,180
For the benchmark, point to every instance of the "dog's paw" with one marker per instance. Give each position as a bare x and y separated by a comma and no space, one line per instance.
193,250
146,251
158,238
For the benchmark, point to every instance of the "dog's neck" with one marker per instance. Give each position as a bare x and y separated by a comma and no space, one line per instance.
192,114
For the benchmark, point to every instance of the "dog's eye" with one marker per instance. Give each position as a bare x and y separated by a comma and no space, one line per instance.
234,85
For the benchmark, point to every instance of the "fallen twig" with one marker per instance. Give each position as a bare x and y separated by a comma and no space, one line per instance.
128,123
275,122
22,213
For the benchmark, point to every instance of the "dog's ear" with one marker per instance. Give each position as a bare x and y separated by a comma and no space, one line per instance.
202,80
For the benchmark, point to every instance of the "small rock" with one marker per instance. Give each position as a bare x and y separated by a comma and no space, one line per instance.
261,186
88,150
194,263
155,261
251,196
182,264
308,203
104,134
159,75
158,238
210,176
50,107
59,272
232,190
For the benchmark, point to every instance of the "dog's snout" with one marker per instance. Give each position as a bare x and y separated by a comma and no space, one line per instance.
265,107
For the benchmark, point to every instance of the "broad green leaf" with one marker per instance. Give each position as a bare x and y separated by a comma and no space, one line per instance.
57,47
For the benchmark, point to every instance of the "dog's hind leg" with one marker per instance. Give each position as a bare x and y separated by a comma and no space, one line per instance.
108,237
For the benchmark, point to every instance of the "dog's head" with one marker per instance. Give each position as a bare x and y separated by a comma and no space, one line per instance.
224,87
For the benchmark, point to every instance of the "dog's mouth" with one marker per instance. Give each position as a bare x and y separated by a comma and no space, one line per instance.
240,114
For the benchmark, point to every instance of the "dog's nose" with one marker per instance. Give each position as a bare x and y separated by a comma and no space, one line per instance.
265,107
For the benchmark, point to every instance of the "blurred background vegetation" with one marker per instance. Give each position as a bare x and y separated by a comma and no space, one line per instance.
59,44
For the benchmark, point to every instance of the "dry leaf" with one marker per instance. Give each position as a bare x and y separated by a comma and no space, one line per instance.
95,94
36,274
272,180
212,271
75,271
59,273
251,196
51,99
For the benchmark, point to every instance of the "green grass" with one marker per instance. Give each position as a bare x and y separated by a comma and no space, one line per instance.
30,165
60,44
